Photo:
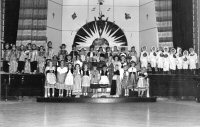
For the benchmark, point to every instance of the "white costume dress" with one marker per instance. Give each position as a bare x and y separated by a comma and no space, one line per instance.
192,60
144,59
173,61
166,61
152,58
179,61
159,60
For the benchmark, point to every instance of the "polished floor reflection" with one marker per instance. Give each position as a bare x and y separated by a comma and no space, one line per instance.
159,114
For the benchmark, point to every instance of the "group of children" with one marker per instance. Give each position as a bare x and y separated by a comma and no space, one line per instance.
98,69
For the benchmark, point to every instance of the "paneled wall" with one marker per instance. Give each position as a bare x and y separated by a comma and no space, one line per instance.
54,23
139,30
148,27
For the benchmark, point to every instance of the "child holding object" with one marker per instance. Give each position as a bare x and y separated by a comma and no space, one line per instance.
142,84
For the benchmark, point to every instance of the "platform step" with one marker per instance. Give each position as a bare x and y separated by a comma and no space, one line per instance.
96,100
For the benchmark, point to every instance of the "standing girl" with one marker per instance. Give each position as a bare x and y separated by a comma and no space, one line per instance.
192,60
13,60
172,60
21,59
61,74
77,80
104,81
124,81
166,60
85,80
41,59
179,60
34,59
50,79
142,84
95,77
115,85
185,62
132,78
152,59
6,57
159,60
69,80
144,57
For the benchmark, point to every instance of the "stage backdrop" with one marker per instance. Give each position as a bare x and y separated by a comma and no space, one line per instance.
65,18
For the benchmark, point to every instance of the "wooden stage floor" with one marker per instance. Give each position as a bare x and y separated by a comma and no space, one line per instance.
168,113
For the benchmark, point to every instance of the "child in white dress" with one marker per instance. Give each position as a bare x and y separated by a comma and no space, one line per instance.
185,61
152,59
61,74
144,57
192,60
166,60
143,84
69,80
50,79
173,61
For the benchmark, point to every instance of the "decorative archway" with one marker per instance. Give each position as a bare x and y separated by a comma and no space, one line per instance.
100,33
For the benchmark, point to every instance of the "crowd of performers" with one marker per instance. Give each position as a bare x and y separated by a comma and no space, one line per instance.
97,70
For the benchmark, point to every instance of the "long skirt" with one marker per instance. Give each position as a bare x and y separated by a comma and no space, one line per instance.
115,87
86,81
69,82
60,81
13,66
50,80
77,85
104,82
131,81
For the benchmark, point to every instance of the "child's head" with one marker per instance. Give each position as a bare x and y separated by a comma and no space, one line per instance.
125,68
69,57
133,64
191,50
70,66
85,67
13,47
116,67
115,48
54,57
133,48
34,46
77,57
107,49
7,46
91,48
94,67
62,47
49,44
77,66
62,63
21,47
104,68
41,48
50,63
116,58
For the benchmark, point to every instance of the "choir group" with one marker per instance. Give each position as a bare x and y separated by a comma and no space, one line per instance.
97,70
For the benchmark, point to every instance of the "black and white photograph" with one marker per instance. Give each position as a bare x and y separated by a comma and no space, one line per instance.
99,63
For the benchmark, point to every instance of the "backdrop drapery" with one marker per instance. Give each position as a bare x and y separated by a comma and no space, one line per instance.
164,22
11,20
182,17
32,22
